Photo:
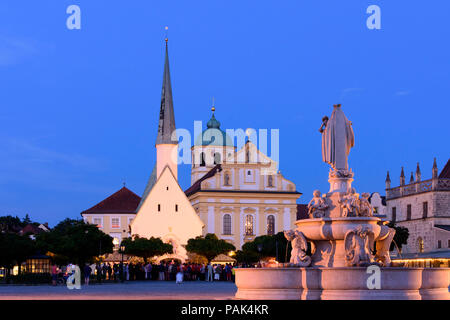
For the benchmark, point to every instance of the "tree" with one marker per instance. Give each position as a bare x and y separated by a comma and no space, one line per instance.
75,241
247,256
14,250
209,246
401,236
10,224
146,248
263,247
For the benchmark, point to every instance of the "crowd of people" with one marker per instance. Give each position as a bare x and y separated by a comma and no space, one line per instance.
164,271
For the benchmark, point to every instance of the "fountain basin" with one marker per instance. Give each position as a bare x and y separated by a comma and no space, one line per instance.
341,283
336,228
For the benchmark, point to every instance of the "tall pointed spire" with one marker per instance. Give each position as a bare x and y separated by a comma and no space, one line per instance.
388,181
435,169
402,177
418,174
166,115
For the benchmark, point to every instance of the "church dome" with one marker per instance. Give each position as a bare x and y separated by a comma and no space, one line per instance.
213,135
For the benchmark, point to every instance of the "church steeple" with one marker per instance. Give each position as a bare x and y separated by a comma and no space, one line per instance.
166,145
166,115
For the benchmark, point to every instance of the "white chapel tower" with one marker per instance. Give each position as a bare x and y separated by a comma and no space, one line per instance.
164,211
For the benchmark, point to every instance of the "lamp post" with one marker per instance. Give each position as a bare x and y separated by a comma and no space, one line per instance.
122,249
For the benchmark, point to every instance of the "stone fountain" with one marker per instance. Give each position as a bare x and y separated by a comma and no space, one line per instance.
342,250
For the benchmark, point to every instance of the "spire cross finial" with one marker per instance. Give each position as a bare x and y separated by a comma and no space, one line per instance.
213,108
166,34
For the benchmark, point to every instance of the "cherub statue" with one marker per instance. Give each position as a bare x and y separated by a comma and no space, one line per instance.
317,206
349,204
299,248
365,208
359,246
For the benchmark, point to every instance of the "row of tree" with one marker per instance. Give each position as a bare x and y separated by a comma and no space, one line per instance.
74,241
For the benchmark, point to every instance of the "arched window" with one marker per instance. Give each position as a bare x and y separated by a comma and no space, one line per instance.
247,156
270,225
202,159
248,225
227,224
270,181
420,244
217,158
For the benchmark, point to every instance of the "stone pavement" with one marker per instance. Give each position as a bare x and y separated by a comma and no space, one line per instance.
135,290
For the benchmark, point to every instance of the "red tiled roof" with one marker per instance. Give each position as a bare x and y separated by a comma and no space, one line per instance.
302,211
29,228
197,184
123,201
445,173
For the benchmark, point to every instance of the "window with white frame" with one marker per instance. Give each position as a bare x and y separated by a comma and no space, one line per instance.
115,223
227,224
270,225
98,222
249,225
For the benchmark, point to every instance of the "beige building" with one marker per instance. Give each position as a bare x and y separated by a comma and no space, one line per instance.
114,214
423,207
239,195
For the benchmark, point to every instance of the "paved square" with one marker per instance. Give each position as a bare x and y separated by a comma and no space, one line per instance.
136,290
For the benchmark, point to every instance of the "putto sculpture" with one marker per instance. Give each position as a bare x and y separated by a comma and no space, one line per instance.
317,206
350,204
299,245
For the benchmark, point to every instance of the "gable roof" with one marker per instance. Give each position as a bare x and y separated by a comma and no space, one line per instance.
123,201
151,182
302,211
32,229
197,184
445,173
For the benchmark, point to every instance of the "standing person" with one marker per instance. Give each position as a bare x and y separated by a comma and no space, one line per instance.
87,274
98,270
149,271
104,271
229,267
127,272
161,271
54,274
109,269
166,271
116,272
179,276
121,271
210,272
202,272
217,272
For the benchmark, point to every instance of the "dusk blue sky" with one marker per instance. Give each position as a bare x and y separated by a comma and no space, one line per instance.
79,108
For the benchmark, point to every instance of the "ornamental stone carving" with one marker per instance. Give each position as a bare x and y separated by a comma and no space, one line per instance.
358,245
